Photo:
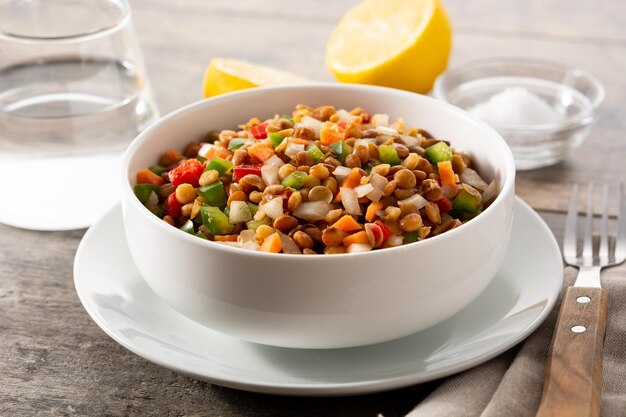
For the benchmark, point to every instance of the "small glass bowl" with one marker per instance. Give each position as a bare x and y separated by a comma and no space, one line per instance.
575,94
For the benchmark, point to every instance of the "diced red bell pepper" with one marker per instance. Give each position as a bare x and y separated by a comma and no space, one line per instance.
172,205
444,205
259,131
188,171
342,125
383,227
243,170
365,117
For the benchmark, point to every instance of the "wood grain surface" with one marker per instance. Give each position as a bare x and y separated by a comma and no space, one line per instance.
54,361
573,378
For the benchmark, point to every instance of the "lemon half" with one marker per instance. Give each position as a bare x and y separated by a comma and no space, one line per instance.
395,43
226,75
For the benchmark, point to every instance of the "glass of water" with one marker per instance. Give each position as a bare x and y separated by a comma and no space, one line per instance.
73,94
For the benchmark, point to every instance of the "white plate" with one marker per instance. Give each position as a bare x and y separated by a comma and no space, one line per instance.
515,303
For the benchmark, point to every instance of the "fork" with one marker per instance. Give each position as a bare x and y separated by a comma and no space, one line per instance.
573,372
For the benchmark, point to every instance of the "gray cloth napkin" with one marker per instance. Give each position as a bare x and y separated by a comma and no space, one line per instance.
511,384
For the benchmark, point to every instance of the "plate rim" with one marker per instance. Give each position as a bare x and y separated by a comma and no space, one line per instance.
331,388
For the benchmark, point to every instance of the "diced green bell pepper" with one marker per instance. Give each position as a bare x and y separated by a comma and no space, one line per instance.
254,224
159,212
315,152
157,169
143,191
388,155
213,194
235,144
201,235
215,220
340,149
295,180
202,159
438,152
222,166
411,237
187,227
275,138
468,199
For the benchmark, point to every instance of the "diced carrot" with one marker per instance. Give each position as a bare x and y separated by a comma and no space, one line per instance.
260,152
226,238
347,224
372,209
145,176
358,237
210,151
272,243
299,141
353,179
338,197
331,133
446,173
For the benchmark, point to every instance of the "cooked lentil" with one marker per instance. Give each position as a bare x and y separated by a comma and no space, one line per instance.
325,181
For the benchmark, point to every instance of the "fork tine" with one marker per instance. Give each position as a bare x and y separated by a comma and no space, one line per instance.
571,226
604,228
620,241
588,244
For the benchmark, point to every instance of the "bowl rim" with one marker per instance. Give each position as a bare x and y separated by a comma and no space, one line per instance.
584,117
507,188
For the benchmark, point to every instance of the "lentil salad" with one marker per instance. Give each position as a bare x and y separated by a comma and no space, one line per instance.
317,181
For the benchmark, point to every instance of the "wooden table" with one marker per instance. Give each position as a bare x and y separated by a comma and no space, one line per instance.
54,361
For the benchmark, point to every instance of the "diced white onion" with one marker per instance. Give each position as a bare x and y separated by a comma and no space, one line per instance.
273,208
246,236
386,130
312,123
350,201
410,141
375,194
345,116
490,192
293,148
378,181
233,244
269,173
379,120
394,240
449,192
361,142
471,177
153,201
363,190
359,247
289,246
341,172
313,210
251,245
415,200
239,212
204,149
274,160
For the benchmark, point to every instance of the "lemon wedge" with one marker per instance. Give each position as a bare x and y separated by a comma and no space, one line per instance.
395,43
226,75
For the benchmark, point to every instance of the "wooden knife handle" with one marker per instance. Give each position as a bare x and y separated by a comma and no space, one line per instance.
573,374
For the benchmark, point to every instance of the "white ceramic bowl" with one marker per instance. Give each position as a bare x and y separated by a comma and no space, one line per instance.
325,301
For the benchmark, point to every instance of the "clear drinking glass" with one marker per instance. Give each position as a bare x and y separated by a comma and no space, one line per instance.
73,94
